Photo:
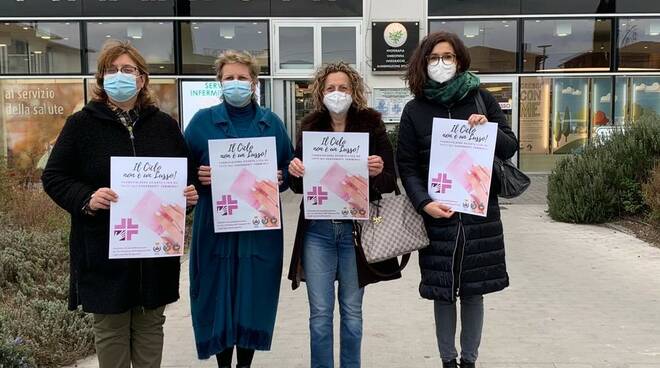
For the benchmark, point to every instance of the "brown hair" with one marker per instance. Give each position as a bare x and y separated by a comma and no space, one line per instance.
241,57
357,85
417,74
110,52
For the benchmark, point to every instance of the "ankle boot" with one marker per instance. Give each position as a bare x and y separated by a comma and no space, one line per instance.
242,366
450,364
465,364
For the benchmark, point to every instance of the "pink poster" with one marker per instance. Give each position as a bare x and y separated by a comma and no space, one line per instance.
461,164
244,184
336,181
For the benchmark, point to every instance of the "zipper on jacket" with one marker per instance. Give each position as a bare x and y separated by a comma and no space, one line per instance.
132,137
456,277
453,264
460,262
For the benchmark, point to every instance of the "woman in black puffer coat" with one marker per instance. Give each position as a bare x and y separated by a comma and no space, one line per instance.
465,258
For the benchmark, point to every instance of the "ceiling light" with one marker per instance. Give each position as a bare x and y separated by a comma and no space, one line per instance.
563,29
43,31
227,31
471,30
134,31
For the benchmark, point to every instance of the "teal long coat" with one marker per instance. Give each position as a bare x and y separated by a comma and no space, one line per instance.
234,277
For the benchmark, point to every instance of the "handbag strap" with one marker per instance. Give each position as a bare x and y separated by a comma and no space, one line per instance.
481,105
357,236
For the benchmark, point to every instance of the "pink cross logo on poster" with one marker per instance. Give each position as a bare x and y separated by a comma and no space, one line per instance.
442,183
317,196
126,229
227,205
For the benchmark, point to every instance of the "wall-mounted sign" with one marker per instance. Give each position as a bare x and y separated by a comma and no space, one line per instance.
392,44
390,102
196,95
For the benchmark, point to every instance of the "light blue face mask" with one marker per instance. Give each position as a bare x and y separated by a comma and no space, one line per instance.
237,93
120,87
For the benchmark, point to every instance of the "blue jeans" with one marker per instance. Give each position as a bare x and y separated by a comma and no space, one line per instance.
472,321
329,255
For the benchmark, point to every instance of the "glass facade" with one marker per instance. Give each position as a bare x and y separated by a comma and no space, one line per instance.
33,113
40,48
639,44
560,80
201,42
155,40
558,115
296,48
551,45
338,44
492,43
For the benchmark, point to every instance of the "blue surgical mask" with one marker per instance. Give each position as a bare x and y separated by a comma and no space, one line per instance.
120,87
237,93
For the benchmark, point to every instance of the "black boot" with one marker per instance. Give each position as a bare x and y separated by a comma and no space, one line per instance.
465,364
242,366
450,364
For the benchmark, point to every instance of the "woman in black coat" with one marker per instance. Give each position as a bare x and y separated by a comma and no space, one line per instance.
325,250
465,258
126,296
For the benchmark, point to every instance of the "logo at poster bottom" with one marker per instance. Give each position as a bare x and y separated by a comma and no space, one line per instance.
227,205
317,196
125,230
441,183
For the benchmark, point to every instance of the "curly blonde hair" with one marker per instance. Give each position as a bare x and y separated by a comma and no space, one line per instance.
357,85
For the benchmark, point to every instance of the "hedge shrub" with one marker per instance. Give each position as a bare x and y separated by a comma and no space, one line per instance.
604,181
36,329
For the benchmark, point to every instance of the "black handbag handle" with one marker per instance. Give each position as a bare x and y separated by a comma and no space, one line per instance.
481,105
357,236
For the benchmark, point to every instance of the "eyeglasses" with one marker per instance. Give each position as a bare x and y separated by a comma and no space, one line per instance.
126,69
447,59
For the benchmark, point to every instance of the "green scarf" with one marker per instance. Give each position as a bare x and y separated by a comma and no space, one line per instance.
451,91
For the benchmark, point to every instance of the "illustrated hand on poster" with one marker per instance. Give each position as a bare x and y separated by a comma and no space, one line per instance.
266,193
169,217
479,179
357,188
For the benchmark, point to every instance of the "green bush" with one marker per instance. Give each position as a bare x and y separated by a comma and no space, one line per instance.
651,191
604,180
14,354
36,329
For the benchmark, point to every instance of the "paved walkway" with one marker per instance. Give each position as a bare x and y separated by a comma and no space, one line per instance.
580,297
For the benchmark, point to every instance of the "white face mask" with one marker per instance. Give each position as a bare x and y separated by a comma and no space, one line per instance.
337,102
441,72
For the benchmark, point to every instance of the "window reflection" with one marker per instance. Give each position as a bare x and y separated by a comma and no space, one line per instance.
202,42
39,48
338,44
33,113
154,40
492,44
296,47
566,45
639,44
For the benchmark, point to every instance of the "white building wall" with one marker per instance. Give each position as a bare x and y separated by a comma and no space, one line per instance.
388,11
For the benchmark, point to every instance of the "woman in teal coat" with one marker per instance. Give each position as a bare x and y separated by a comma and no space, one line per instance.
234,277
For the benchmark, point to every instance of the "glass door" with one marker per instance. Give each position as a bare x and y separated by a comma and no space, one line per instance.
298,103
